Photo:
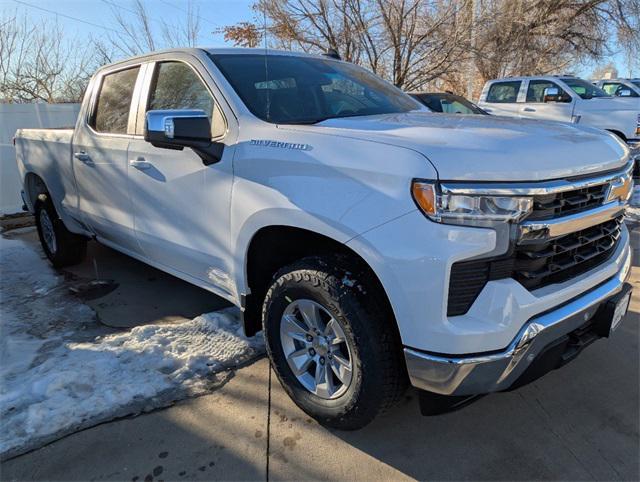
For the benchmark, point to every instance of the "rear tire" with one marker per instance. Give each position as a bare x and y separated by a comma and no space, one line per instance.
355,328
62,247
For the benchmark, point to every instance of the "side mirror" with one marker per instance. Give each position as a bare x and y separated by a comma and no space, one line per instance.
551,94
180,128
624,93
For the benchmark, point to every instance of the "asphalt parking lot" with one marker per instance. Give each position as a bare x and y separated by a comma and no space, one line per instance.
577,423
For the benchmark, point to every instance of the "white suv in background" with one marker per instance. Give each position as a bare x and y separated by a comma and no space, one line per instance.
563,98
620,87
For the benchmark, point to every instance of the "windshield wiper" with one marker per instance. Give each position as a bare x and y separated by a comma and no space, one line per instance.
307,121
317,120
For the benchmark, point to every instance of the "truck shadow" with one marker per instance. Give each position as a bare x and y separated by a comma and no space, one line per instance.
143,294
131,293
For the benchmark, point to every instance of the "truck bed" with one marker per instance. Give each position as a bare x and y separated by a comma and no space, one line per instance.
48,153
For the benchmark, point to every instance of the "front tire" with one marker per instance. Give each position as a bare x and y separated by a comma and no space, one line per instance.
332,344
62,247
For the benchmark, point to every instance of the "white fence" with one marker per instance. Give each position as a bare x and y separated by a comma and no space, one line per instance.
22,116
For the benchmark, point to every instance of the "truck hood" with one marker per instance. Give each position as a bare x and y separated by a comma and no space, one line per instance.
488,148
611,104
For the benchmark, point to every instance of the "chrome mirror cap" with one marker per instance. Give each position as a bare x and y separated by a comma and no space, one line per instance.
551,91
163,120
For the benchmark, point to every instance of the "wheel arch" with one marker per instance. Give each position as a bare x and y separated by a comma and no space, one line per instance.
34,186
284,245
619,134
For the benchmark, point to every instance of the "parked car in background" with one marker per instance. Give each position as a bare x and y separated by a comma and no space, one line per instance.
447,102
374,243
620,87
563,98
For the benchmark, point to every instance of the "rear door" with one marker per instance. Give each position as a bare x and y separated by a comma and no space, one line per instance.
535,106
502,98
181,206
100,159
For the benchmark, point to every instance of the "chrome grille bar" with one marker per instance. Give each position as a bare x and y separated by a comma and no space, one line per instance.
553,228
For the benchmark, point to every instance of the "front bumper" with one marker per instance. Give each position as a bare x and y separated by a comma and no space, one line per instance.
496,371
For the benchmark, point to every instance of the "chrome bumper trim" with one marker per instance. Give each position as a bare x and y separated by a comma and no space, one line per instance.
472,375
570,224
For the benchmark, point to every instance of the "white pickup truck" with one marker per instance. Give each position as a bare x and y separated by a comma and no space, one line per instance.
565,99
620,87
373,242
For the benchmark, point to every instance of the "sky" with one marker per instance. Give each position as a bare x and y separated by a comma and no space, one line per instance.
90,17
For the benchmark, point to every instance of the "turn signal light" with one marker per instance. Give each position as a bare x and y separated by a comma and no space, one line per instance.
425,196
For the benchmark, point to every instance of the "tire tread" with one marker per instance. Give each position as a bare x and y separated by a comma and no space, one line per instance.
327,274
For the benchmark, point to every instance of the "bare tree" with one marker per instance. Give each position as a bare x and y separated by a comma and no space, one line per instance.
135,33
186,32
526,37
410,42
37,63
424,39
452,44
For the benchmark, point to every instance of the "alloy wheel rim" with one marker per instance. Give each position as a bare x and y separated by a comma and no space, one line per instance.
316,349
48,234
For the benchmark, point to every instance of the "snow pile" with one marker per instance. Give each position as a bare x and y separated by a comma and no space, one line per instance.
61,371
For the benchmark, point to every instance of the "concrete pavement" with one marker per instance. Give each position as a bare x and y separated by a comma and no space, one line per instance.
577,423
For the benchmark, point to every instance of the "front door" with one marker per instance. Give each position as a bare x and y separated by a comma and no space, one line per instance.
100,160
181,206
536,108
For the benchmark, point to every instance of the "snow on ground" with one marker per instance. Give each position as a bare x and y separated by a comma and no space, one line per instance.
61,371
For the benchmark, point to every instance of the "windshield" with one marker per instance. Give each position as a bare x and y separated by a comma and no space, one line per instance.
584,89
636,83
286,89
449,104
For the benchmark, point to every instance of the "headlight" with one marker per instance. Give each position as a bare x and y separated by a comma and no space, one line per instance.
468,209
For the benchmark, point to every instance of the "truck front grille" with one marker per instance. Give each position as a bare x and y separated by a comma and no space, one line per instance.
535,264
550,206
554,261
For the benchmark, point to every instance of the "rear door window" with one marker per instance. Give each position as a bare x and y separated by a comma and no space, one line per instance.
111,114
504,92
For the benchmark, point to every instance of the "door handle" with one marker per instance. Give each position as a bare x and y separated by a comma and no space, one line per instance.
140,164
83,157
529,109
